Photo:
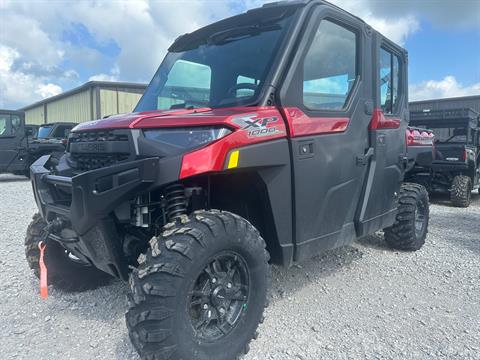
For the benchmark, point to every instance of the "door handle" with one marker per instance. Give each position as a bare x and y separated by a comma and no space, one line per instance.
306,149
362,160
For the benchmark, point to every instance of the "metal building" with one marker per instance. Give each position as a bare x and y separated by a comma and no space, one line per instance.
93,100
472,102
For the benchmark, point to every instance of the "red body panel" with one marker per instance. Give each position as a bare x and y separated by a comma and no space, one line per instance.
155,119
300,124
212,157
250,125
171,118
379,121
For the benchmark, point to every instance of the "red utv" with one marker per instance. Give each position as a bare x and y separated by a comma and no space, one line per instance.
266,137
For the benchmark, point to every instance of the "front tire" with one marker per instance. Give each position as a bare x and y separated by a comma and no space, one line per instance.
410,229
63,271
200,290
461,192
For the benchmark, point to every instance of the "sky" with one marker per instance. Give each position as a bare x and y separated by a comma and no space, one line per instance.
47,47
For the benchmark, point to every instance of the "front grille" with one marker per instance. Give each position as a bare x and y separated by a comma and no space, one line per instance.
86,162
94,136
92,150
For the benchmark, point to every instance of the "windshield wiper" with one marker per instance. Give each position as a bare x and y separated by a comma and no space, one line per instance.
182,106
265,22
237,33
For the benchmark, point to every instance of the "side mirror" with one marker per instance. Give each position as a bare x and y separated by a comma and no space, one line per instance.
28,132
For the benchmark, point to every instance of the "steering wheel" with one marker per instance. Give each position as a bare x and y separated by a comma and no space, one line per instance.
239,86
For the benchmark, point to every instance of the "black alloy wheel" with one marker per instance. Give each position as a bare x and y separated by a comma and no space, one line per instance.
219,296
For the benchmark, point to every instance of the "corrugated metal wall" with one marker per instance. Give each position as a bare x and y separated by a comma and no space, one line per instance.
35,115
74,108
117,102
127,101
90,103
445,104
108,102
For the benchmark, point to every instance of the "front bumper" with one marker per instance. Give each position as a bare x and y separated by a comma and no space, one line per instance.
94,194
86,202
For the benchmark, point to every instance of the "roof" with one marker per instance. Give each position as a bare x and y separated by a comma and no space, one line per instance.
451,103
457,98
86,86
6,111
180,43
445,117
59,123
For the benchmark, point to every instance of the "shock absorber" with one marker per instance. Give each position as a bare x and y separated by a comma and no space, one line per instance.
176,201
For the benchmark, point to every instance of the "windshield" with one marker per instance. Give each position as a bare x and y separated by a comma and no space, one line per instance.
44,131
218,66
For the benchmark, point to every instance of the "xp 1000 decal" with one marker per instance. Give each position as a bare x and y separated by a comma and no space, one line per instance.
258,127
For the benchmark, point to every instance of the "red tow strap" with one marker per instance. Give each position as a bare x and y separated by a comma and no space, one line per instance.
43,271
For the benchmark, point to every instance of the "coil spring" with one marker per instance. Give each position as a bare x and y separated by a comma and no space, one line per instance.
176,201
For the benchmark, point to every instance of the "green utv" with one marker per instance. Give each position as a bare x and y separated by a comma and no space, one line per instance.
22,144
264,138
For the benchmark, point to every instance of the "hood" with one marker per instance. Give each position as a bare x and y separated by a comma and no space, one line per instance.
169,118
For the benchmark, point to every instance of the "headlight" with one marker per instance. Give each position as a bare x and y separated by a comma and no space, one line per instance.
187,138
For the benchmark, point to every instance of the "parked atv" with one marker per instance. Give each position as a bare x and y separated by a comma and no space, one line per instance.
270,136
21,145
456,169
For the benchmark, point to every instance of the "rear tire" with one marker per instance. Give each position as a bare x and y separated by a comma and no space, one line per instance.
410,229
461,192
63,272
202,266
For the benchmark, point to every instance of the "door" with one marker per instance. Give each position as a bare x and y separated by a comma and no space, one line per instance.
387,139
327,101
11,137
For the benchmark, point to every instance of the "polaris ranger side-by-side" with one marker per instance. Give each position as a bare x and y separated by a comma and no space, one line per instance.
22,144
456,169
266,137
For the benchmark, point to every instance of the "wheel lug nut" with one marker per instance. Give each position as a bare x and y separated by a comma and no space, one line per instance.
214,281
205,307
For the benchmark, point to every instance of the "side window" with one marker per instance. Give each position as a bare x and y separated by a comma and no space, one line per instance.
61,132
186,80
5,125
16,124
389,81
329,68
9,125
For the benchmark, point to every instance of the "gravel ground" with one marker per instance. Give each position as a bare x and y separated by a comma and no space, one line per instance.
360,302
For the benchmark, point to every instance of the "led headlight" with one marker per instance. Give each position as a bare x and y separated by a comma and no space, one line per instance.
187,138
